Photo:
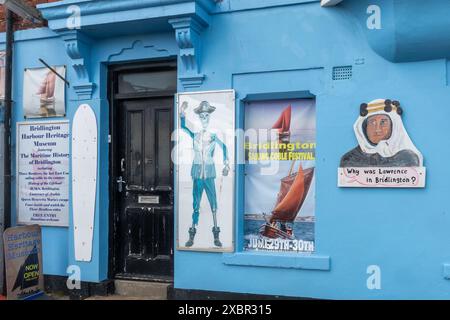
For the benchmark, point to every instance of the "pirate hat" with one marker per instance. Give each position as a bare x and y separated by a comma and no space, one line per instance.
204,107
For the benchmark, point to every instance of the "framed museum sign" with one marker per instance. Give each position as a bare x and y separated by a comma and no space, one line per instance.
385,156
205,171
43,173
44,93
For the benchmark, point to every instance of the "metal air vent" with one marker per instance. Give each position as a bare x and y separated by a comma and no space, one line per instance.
342,73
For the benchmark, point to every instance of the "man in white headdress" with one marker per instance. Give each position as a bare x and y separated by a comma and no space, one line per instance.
382,138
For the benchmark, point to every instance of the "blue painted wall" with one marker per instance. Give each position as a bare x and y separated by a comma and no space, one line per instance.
283,48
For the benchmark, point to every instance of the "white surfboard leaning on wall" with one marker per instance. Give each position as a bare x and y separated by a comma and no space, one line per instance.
84,180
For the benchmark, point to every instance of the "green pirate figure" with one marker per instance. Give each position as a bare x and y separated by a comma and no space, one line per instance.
203,170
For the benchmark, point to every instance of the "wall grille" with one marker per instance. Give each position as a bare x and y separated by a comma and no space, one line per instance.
342,73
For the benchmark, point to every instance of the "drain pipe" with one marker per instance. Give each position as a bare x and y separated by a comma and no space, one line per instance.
8,112
7,124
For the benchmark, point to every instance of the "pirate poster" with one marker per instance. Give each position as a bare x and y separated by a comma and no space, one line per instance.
280,146
23,257
385,156
44,93
205,171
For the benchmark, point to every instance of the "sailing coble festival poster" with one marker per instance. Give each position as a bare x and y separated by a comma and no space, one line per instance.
280,144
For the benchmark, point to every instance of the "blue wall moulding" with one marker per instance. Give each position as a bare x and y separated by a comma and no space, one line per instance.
188,17
187,32
106,13
78,49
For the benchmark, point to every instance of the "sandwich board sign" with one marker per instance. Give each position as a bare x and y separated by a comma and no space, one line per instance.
23,258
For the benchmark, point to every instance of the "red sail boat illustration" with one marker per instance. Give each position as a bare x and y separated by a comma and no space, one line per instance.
293,191
283,125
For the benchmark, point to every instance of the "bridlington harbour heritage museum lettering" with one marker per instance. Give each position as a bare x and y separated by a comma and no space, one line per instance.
43,173
279,176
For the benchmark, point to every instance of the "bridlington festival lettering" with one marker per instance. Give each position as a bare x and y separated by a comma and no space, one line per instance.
43,173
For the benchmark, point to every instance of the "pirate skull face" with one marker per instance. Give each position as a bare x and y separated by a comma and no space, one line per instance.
204,119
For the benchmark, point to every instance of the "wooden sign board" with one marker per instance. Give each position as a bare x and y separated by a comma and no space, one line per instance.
23,257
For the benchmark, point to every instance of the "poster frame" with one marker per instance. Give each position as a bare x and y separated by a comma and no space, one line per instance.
42,224
355,171
232,248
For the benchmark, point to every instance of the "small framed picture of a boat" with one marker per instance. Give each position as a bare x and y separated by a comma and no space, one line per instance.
2,74
280,148
44,92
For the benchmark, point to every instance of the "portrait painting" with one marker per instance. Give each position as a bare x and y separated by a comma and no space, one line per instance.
382,138
385,156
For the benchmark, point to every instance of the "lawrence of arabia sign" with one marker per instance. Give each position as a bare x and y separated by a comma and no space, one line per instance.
385,156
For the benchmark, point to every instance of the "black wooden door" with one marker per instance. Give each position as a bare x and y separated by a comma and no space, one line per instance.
145,187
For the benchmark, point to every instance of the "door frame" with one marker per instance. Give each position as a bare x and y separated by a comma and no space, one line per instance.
114,101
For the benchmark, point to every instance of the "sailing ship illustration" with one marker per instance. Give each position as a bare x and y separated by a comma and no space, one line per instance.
283,125
293,191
